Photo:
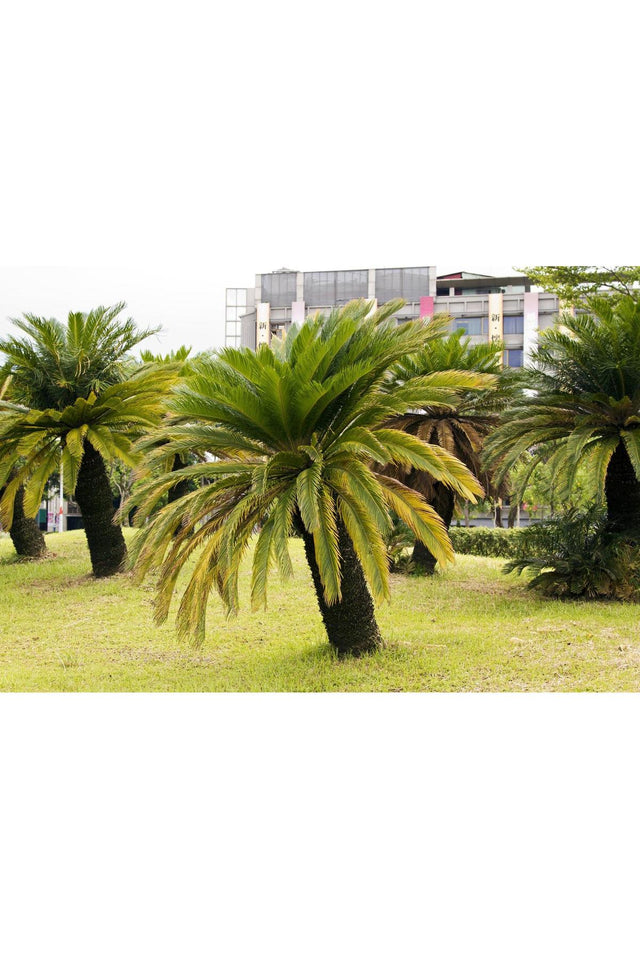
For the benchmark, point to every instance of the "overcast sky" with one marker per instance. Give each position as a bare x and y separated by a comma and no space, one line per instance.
158,159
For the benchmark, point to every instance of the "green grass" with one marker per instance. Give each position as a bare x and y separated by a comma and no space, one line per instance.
467,629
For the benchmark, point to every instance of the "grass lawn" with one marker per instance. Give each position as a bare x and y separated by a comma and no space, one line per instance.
467,629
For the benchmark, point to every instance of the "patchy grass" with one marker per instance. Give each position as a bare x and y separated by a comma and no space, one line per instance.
467,629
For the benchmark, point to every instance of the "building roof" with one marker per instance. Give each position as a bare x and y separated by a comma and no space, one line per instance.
463,275
477,281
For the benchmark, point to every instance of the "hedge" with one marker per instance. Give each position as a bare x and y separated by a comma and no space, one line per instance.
486,540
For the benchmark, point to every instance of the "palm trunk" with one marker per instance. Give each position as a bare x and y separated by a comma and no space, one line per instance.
93,495
181,488
622,492
350,623
25,533
443,502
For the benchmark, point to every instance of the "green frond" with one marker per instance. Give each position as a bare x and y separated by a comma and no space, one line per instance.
631,439
8,500
325,541
282,516
262,556
349,477
35,484
308,490
441,465
368,544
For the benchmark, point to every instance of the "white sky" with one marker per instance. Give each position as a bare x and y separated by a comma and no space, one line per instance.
158,158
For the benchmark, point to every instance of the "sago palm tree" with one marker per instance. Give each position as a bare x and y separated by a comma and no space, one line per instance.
75,402
582,400
299,441
24,531
459,423
185,365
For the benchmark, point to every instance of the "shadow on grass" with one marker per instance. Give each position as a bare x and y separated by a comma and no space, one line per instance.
16,560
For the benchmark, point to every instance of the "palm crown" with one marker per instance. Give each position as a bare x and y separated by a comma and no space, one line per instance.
299,439
55,363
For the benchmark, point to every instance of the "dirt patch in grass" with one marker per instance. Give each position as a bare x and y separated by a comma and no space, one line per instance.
487,588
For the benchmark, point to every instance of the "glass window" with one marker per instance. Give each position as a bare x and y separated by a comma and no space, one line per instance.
388,285
320,288
409,284
278,289
415,283
472,325
351,285
513,357
513,324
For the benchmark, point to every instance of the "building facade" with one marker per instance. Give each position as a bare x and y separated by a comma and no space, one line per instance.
487,308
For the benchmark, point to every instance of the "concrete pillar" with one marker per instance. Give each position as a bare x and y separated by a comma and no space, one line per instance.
263,330
496,320
530,337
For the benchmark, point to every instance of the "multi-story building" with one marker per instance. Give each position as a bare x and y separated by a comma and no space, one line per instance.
485,307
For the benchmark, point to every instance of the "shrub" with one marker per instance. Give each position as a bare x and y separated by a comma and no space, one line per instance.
578,555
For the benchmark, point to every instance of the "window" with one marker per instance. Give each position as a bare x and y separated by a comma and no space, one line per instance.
513,357
409,284
513,324
320,289
278,289
415,283
473,325
326,288
351,285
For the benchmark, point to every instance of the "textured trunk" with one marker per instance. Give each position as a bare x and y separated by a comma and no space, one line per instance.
497,516
93,495
443,502
350,623
622,492
25,533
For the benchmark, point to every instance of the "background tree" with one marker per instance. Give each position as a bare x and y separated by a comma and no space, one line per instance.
76,402
458,421
575,284
299,441
542,492
582,400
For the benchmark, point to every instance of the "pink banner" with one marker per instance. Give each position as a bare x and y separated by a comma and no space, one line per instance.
426,306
